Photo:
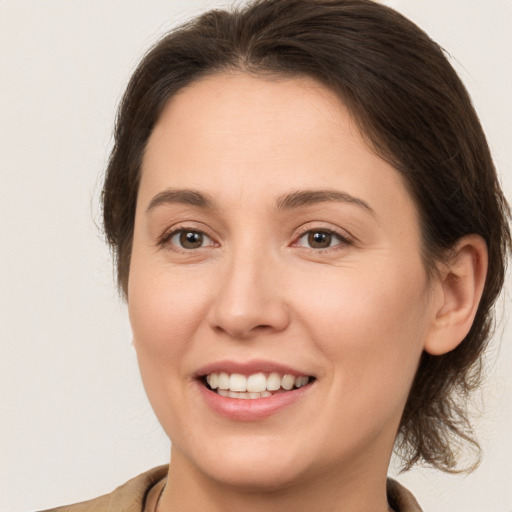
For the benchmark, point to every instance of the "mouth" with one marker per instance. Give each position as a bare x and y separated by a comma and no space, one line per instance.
254,386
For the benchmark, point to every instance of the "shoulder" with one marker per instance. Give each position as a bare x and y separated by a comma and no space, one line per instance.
400,499
128,497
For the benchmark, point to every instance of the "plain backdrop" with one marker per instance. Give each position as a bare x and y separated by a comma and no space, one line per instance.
74,420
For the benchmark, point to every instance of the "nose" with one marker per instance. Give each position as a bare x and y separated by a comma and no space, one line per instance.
250,299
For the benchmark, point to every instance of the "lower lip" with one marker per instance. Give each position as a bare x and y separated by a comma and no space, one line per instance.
251,409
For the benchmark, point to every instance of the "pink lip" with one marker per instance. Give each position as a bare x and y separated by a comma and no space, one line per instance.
248,368
250,410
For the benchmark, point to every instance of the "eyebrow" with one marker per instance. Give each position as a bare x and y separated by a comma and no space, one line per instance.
288,201
302,198
181,196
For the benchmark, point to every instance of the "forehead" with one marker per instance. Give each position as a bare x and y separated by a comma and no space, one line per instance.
233,133
240,114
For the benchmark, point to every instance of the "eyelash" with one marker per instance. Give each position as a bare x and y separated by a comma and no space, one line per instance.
343,240
165,239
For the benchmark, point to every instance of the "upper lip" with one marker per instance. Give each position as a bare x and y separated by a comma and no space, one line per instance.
249,368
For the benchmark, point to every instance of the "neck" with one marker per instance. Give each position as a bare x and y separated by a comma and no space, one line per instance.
189,490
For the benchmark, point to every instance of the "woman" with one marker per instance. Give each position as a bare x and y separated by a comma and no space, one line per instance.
310,237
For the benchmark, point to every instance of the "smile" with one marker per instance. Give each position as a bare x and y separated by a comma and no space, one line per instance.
257,385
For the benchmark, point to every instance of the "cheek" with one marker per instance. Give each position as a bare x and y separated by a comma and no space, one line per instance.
370,326
165,313
165,307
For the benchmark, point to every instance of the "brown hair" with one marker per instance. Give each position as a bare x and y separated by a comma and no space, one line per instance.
414,112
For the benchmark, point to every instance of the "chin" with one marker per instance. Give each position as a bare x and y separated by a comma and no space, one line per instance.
257,478
252,466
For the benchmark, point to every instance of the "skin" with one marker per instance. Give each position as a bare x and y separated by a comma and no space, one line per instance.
356,315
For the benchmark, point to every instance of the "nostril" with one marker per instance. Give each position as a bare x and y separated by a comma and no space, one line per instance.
241,332
243,309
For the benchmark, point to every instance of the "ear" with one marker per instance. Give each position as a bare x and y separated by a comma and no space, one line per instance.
461,283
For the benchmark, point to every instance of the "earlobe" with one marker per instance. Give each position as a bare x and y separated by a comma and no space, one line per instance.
461,285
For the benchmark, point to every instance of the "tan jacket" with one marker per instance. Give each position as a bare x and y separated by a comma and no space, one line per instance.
131,496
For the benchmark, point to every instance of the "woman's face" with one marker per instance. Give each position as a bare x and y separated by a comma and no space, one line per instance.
272,245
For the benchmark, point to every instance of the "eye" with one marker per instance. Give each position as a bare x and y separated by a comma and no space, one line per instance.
189,239
320,239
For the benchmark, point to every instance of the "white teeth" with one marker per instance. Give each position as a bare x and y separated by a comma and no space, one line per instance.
274,381
243,396
257,385
287,382
300,381
237,382
214,381
223,381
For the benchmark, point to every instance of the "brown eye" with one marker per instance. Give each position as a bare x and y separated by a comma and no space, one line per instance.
191,239
188,239
319,239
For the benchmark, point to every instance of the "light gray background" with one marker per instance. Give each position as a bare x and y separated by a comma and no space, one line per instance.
74,421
